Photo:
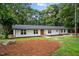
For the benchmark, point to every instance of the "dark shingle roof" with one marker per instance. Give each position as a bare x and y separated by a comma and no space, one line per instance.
37,27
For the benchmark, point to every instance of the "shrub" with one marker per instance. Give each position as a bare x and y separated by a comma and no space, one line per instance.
3,35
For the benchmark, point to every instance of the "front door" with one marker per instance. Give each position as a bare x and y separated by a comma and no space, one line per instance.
42,31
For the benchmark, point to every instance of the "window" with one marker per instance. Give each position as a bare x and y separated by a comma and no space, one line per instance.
65,31
49,31
23,32
61,30
35,31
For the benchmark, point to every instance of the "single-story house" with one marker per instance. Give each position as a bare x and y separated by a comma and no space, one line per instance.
38,30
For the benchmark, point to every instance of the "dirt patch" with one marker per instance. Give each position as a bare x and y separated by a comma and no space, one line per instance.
30,48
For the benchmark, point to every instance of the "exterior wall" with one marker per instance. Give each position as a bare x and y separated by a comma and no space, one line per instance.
17,33
55,32
14,33
64,31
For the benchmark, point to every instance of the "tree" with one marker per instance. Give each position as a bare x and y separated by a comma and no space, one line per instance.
50,15
9,15
67,14
6,17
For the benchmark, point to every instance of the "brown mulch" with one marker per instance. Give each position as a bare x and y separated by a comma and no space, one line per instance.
30,48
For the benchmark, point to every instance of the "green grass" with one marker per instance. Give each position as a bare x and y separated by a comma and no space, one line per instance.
34,38
3,41
26,38
70,47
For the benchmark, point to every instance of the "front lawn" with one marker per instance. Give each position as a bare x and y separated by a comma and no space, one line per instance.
35,38
70,47
55,46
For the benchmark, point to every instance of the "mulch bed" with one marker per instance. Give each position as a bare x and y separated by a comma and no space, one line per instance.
30,48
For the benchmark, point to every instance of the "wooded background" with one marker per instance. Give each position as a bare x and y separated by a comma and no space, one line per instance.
53,15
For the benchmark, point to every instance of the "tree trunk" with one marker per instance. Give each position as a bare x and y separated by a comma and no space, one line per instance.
5,31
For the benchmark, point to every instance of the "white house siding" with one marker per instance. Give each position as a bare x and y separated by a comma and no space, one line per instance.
17,33
55,32
28,33
14,33
64,31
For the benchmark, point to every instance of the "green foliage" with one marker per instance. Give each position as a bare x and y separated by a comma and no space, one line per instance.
50,15
67,12
11,14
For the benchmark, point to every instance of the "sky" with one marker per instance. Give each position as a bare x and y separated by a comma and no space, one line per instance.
40,6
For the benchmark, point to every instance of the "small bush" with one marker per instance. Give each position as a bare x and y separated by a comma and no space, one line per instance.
5,35
1,36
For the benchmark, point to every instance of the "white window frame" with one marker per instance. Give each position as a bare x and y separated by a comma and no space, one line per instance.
23,32
49,31
61,30
35,31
